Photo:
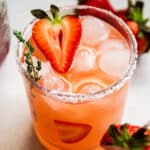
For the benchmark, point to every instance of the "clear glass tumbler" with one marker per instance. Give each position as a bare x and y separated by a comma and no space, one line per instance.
73,121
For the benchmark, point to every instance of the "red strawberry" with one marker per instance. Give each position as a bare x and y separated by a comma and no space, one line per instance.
105,4
72,132
128,137
134,27
143,44
122,14
58,39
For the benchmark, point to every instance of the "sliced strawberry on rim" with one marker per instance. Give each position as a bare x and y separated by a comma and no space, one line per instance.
58,39
72,132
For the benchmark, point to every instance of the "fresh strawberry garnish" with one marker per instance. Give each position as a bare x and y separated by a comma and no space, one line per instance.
72,132
135,14
143,44
128,137
134,18
57,38
105,4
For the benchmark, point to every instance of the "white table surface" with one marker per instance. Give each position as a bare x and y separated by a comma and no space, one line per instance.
15,122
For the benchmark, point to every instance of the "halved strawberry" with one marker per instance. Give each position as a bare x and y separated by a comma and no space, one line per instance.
58,39
72,132
128,137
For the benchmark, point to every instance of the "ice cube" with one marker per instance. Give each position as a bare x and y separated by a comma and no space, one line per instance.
93,30
84,60
46,68
90,87
54,82
114,62
110,44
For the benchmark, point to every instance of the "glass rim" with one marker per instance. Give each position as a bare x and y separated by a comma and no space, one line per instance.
81,97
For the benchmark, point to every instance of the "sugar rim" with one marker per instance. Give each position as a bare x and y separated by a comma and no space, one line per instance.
80,98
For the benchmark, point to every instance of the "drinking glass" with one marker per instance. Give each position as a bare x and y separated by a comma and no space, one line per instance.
4,30
74,121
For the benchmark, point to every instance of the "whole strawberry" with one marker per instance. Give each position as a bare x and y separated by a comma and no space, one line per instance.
138,25
127,137
105,4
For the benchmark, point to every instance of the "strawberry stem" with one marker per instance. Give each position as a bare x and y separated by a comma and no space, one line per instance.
121,137
40,14
55,13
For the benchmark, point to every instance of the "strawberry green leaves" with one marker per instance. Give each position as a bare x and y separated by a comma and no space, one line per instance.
135,13
120,137
128,137
55,12
41,14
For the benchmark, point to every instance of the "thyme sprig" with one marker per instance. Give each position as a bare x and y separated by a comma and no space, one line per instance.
31,68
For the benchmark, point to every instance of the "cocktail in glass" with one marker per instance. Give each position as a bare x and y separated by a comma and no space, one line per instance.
72,111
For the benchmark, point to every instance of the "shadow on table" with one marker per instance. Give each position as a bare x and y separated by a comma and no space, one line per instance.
32,143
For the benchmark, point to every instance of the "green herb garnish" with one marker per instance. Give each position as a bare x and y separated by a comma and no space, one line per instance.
32,70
